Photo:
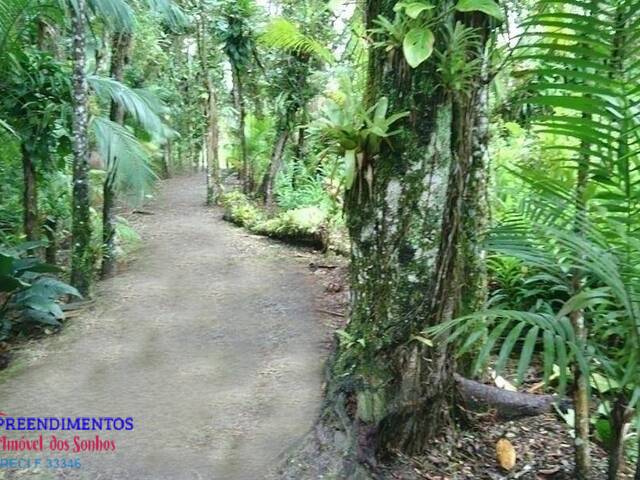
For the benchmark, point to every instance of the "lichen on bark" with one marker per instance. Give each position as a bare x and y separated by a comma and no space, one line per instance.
414,256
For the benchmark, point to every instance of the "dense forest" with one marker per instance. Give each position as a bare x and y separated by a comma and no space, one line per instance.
475,164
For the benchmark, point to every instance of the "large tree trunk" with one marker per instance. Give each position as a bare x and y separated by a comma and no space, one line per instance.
81,258
30,195
119,58
406,213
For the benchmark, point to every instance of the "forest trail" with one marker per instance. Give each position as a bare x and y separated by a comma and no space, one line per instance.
208,340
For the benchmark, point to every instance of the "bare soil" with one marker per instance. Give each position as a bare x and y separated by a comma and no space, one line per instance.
210,339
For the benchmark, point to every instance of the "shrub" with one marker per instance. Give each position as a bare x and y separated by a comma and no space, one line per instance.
301,223
29,295
240,210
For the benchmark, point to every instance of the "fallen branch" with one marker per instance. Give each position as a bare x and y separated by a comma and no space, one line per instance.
507,405
315,266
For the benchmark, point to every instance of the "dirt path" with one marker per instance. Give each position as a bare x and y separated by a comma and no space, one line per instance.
208,340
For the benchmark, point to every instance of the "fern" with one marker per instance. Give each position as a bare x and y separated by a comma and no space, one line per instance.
282,34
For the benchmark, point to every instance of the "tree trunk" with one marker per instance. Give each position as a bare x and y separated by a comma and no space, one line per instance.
29,195
214,189
119,59
166,160
581,387
50,230
637,475
81,257
239,103
406,214
274,167
298,154
212,160
621,415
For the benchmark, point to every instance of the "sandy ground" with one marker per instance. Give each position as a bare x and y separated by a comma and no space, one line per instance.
208,339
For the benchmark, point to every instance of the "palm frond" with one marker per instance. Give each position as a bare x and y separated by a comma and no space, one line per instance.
141,104
171,14
117,14
128,163
11,14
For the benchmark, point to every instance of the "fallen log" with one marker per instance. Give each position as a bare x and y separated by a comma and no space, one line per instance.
507,405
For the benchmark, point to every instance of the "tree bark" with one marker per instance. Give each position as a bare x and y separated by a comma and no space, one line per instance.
120,46
406,215
506,405
30,195
621,415
637,475
298,154
239,103
577,317
212,135
81,257
50,230
274,167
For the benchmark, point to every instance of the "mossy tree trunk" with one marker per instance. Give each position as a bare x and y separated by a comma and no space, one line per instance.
30,194
412,214
212,161
283,132
120,46
81,255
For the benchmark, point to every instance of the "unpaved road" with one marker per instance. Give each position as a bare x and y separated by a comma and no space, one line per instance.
208,340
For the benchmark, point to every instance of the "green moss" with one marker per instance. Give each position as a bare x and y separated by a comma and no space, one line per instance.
299,222
240,210
308,225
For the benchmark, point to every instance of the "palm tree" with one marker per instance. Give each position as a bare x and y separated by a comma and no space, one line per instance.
211,151
81,257
585,71
123,29
238,44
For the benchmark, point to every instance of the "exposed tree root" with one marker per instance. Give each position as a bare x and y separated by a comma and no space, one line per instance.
338,447
506,405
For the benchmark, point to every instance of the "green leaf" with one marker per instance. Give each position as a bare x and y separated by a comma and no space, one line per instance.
418,45
413,9
481,360
508,345
38,316
9,283
527,352
34,265
549,355
603,384
488,7
349,168
380,110
6,264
